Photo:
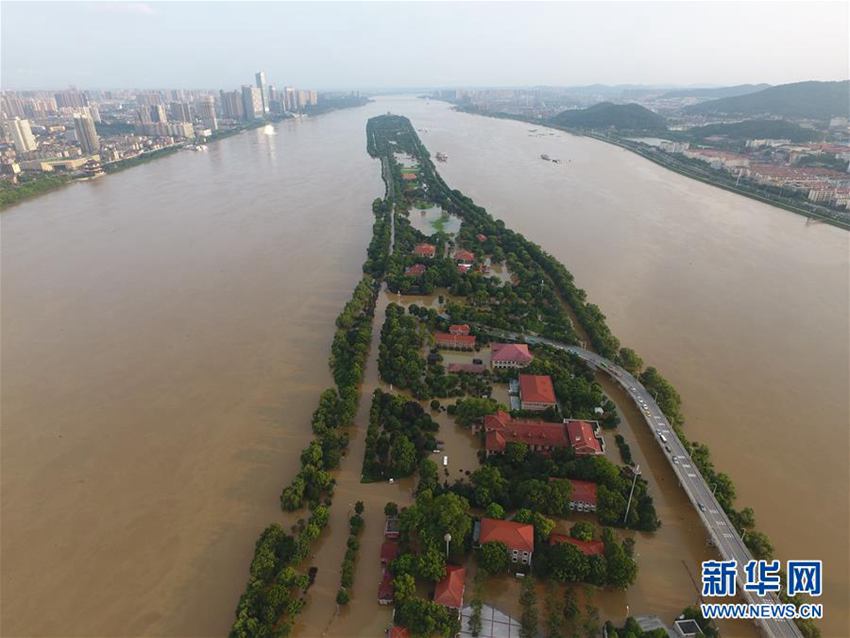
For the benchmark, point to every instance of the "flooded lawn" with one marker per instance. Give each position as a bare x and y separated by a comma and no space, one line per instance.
434,219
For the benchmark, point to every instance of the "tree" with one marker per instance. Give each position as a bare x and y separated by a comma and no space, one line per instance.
358,507
516,452
342,596
489,485
630,360
582,530
554,609
759,544
568,564
559,493
493,557
431,565
494,510
404,587
528,601
390,509
621,568
428,475
431,518
404,456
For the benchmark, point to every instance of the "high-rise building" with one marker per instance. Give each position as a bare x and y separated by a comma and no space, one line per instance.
72,99
314,97
11,105
206,111
252,103
231,105
20,133
260,77
180,112
86,134
94,112
291,99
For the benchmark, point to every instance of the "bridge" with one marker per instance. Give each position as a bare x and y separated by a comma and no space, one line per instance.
722,533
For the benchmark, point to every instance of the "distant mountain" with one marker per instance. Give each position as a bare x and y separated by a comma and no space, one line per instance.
717,92
756,129
624,117
813,100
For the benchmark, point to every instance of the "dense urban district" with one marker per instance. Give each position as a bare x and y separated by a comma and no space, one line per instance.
787,145
50,138
485,338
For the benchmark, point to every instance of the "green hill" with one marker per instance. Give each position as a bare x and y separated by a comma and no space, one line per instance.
757,129
623,117
717,92
812,100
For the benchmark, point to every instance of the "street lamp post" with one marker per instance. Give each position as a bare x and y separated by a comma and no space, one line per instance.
448,539
636,471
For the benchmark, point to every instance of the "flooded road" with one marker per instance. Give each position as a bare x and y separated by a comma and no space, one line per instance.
165,334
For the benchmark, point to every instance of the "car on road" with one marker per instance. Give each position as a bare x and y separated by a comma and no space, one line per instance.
701,507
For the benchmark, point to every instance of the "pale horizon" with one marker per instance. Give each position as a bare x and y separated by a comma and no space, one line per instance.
157,45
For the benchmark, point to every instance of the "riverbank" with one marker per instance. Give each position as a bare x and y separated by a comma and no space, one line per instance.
46,183
14,194
712,178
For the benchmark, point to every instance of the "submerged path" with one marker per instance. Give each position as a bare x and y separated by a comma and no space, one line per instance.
722,533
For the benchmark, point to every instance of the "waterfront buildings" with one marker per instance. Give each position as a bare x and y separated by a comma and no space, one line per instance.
20,133
252,103
260,78
205,107
86,134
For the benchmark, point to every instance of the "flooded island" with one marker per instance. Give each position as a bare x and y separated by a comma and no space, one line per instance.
488,449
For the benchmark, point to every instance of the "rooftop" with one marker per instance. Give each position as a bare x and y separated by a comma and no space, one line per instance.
583,437
449,591
519,536
588,548
536,388
511,352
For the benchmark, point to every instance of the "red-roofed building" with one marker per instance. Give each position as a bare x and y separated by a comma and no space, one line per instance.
583,498
449,591
464,256
389,551
454,342
510,355
469,368
386,590
425,250
536,392
408,177
481,237
464,268
416,270
585,437
588,548
398,632
540,436
517,537
459,329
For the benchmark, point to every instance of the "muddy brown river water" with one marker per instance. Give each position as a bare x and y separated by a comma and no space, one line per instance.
165,334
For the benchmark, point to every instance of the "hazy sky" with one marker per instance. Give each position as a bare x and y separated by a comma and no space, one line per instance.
347,45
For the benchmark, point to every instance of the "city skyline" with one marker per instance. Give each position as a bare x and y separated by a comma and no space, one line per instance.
573,44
